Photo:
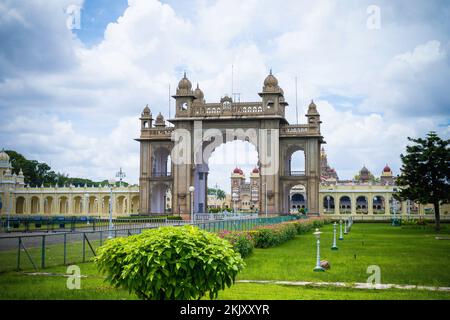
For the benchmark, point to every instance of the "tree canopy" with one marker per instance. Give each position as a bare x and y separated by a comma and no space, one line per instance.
220,193
39,173
424,176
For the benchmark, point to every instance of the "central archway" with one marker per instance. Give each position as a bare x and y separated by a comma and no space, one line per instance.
233,168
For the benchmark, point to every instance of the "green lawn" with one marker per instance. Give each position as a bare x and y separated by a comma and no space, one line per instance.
405,256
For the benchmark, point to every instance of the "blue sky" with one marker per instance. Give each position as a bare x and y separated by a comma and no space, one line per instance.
72,97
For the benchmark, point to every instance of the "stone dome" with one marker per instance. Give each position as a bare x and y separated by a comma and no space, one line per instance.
238,171
146,111
387,169
270,80
184,83
4,156
198,93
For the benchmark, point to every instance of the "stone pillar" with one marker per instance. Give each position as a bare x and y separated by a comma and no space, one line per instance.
41,204
336,204
404,208
353,204
387,204
370,204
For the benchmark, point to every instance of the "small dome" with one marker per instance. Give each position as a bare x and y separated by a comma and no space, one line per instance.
184,83
270,80
198,93
237,171
255,170
160,121
387,169
364,170
4,156
312,105
146,111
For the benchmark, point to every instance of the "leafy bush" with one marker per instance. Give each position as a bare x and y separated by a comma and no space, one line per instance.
170,263
174,218
241,242
273,235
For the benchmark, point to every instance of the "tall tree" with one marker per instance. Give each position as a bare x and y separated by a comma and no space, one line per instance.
425,173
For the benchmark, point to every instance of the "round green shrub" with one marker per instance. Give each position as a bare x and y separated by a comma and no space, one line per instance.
241,242
170,263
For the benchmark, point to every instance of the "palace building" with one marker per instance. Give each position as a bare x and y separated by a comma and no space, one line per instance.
180,187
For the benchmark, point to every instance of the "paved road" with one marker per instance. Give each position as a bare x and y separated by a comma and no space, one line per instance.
10,241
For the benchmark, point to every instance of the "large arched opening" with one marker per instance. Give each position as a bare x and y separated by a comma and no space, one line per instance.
48,205
362,205
345,205
379,206
35,205
233,177
20,205
328,204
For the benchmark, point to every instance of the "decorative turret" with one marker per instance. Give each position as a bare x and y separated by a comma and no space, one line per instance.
272,95
387,177
313,115
199,96
146,118
160,121
184,97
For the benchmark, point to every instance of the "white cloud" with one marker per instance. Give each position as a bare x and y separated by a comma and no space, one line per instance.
78,107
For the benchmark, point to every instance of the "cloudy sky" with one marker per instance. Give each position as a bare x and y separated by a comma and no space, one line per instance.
71,94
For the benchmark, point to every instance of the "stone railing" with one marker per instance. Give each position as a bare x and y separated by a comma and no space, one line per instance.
157,133
298,129
232,109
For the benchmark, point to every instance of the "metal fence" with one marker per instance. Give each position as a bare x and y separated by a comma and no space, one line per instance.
39,251
387,217
64,224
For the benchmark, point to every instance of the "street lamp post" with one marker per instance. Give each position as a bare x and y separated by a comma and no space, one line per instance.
328,203
345,226
111,184
334,247
265,198
318,267
341,237
191,190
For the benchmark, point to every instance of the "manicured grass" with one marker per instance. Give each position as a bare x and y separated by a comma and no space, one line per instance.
405,256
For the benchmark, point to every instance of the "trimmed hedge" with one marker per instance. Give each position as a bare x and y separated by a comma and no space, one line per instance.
243,242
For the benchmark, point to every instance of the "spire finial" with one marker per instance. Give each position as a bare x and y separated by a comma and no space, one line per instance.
270,71
197,86
185,74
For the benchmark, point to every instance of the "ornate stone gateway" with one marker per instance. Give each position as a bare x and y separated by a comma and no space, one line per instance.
176,156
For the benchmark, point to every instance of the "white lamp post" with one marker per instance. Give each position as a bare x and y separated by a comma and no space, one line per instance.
191,190
265,197
111,183
318,267
334,247
345,226
341,237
